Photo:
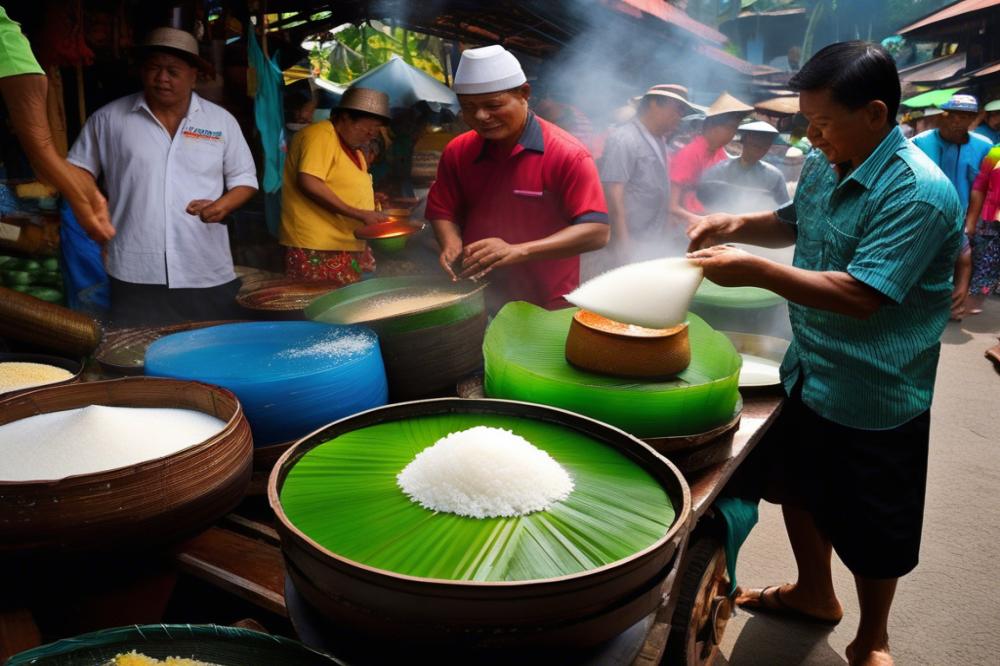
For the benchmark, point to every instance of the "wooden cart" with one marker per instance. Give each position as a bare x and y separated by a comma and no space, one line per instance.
239,559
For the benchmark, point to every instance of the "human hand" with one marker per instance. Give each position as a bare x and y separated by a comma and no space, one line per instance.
449,255
381,198
712,229
88,204
484,255
727,266
370,217
209,211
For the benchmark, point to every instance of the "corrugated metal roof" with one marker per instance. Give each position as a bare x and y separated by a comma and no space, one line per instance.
932,71
666,12
955,11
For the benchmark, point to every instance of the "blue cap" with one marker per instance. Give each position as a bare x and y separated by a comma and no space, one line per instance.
966,103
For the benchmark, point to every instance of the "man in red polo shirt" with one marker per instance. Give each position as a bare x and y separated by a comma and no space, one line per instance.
516,198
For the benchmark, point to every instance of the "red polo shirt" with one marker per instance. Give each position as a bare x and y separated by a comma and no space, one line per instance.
688,164
548,182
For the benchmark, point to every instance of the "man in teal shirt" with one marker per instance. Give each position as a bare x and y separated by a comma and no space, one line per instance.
876,228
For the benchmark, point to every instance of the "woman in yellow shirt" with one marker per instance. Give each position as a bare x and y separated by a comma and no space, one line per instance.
327,192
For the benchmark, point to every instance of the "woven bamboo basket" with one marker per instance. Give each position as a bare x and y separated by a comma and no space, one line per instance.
46,325
139,506
68,364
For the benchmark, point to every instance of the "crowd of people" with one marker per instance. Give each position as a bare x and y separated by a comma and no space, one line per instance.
876,223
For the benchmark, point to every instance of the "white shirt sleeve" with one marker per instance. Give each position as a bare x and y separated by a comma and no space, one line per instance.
86,150
238,166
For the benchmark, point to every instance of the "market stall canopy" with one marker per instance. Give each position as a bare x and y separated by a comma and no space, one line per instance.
953,17
406,86
930,98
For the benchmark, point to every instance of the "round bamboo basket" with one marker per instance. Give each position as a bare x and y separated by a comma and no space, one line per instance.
579,609
128,508
68,364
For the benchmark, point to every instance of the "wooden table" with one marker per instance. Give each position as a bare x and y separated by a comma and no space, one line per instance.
241,554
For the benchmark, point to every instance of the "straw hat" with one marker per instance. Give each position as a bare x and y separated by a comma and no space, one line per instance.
760,127
674,91
725,104
487,70
176,42
366,100
992,106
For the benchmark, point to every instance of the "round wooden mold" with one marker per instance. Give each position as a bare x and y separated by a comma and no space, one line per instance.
71,365
602,345
134,507
579,609
283,299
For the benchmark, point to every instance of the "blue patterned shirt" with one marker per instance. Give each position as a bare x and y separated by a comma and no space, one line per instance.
894,223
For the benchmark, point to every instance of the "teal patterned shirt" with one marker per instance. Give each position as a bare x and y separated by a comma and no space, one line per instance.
894,223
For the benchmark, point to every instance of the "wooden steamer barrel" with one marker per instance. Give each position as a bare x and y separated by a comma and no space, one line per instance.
425,350
576,610
132,507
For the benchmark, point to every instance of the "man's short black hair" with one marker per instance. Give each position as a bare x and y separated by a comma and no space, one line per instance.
855,73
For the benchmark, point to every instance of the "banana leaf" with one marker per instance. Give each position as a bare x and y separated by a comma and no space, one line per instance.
747,298
524,355
343,494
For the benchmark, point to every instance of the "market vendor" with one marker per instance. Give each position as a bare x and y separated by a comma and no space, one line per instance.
745,183
327,192
175,166
517,199
722,120
876,228
25,88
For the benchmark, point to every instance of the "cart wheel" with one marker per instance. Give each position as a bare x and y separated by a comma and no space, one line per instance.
703,607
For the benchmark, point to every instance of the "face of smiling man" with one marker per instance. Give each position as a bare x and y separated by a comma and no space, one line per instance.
499,116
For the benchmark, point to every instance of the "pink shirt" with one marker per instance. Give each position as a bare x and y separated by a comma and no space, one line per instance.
988,182
688,164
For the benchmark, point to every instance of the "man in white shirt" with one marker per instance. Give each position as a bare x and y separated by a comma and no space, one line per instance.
175,166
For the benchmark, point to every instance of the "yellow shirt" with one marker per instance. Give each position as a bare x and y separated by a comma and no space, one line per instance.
317,151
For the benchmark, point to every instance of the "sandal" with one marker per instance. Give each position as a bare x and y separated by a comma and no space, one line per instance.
773,604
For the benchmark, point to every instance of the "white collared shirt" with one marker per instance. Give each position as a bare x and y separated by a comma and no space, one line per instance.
151,178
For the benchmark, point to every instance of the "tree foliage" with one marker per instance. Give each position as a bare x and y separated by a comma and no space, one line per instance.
356,49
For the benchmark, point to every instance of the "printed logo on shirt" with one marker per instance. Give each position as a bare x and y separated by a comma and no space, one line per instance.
193,132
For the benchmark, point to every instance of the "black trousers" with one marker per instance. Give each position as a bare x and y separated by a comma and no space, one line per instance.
157,305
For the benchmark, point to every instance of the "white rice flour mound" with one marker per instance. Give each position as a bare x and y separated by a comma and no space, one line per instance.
485,472
654,294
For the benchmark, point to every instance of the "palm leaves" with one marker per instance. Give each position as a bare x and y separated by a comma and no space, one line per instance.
343,494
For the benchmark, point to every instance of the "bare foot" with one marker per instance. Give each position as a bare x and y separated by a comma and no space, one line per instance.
789,601
880,657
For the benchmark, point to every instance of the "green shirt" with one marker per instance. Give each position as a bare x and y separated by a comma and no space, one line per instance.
894,223
15,52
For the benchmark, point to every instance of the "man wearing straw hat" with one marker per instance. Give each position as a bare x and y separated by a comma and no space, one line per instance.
175,166
990,126
721,122
635,172
328,193
517,198
746,183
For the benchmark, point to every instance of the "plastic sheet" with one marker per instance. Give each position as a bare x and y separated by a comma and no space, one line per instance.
524,353
291,377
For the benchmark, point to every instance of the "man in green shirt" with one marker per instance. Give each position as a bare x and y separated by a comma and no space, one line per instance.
25,89
876,228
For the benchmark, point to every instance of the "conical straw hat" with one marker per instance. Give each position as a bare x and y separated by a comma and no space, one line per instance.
726,103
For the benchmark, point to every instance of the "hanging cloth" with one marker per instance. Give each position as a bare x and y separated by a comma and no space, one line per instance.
269,117
268,113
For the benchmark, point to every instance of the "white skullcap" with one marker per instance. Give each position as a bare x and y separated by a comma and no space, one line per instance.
486,70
